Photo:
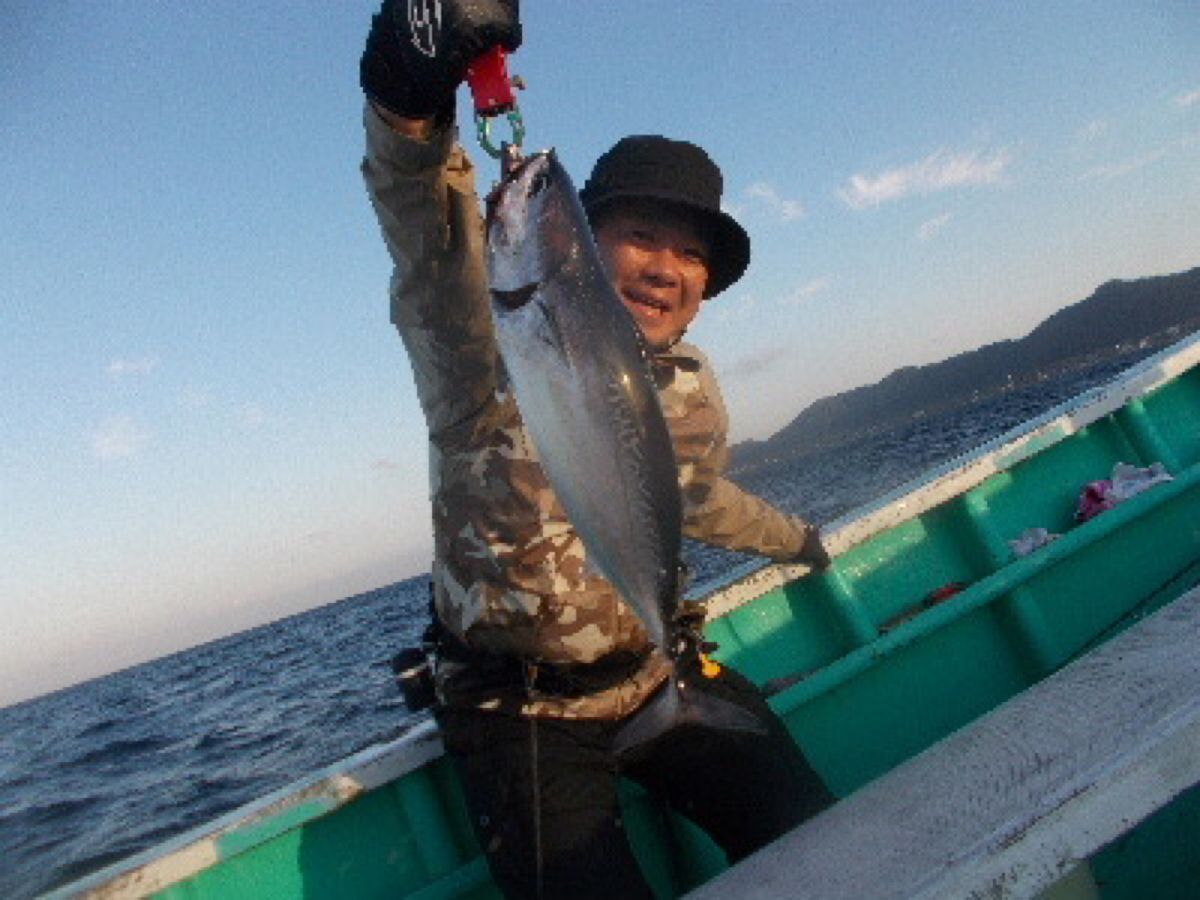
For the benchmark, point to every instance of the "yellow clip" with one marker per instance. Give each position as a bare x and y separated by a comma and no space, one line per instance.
709,668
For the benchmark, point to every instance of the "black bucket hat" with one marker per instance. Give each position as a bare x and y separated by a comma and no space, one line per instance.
653,167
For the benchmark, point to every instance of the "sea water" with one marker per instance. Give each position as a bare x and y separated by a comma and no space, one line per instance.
96,772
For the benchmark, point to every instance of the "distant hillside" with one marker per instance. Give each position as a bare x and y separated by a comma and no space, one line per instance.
1118,316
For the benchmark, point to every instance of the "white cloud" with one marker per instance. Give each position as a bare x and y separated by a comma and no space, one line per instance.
384,464
729,308
932,226
808,289
1116,170
939,171
768,196
1188,99
120,367
734,209
1092,130
761,360
118,437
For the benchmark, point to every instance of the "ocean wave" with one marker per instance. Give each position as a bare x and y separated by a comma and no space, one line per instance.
232,737
118,751
33,815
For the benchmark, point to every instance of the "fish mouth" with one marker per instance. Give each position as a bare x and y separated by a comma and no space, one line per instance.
514,299
529,178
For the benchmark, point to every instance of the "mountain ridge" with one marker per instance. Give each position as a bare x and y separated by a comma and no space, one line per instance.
1120,316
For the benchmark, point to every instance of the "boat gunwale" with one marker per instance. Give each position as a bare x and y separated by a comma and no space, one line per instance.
959,474
342,781
301,800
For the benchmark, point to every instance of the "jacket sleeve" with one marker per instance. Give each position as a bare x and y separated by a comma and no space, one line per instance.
423,193
717,511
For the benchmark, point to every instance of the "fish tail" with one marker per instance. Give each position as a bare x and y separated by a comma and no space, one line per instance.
678,703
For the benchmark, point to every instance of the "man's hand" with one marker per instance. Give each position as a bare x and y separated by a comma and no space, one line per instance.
418,51
812,551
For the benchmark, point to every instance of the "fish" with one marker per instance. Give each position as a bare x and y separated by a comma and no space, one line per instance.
581,374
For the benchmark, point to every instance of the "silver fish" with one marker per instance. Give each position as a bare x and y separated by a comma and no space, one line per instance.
581,376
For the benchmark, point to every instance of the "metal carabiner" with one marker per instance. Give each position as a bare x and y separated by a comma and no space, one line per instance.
483,130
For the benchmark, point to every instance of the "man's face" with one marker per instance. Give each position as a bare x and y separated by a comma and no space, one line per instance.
657,259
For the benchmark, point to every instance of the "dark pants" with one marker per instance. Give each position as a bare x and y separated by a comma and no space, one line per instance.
543,793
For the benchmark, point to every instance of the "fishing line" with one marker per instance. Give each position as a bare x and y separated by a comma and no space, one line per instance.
537,804
537,786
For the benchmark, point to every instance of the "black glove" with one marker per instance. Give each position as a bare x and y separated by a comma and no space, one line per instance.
813,551
418,51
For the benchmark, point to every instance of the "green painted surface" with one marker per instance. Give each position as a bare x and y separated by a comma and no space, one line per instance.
1160,859
868,687
234,842
390,842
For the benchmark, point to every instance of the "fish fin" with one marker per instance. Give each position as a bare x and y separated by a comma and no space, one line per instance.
680,704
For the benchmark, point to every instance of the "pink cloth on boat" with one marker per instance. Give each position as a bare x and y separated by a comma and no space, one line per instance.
1095,498
1126,481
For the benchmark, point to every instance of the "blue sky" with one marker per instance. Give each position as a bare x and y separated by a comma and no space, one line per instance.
207,420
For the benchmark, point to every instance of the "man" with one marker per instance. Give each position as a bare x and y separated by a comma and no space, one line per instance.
539,661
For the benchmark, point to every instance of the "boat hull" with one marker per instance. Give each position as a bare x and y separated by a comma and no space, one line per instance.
865,668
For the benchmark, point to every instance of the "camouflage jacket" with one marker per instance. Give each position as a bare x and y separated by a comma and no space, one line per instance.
509,574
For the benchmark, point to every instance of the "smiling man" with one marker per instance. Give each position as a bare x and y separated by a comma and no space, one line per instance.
659,261
538,660
654,206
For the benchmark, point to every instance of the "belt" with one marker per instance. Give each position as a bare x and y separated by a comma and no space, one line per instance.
568,680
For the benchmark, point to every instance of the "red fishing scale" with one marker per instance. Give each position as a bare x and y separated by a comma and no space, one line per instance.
493,91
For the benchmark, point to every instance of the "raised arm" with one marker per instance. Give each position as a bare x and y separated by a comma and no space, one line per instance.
422,187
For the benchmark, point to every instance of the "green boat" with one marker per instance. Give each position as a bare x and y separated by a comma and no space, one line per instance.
996,725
